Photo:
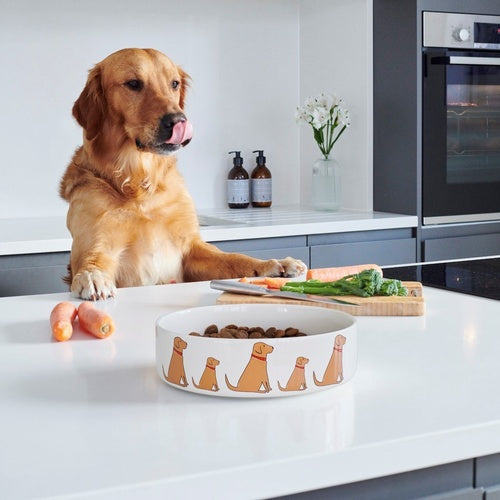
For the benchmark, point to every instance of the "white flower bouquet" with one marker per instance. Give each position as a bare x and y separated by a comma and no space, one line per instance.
327,119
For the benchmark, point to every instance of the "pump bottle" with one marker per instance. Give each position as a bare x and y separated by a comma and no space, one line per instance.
238,183
261,183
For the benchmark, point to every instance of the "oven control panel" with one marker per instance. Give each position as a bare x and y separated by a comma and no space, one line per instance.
468,31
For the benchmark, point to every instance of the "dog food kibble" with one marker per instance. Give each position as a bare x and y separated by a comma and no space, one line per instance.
245,332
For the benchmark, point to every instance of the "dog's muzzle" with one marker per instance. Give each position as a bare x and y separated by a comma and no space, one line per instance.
174,132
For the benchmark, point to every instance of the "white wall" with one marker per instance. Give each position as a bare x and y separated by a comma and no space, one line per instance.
336,57
248,77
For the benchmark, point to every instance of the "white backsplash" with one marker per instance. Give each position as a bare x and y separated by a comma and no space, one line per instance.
251,61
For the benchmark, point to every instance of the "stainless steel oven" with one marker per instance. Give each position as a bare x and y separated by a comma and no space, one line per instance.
460,118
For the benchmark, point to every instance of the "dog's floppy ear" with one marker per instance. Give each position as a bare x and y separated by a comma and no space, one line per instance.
90,107
185,83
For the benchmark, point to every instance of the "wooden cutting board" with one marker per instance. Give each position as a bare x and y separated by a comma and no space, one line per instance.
411,305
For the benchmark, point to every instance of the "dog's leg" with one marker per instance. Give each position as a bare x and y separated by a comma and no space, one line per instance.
207,262
95,254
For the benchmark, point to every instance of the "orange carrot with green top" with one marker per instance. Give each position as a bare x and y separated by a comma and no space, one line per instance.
61,320
95,321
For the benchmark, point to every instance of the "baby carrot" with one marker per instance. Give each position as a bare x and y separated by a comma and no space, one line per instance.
95,321
61,320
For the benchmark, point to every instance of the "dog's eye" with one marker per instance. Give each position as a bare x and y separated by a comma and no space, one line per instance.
175,84
135,85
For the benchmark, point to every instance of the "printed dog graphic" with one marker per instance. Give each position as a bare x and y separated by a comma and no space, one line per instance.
334,372
176,373
208,380
297,380
254,375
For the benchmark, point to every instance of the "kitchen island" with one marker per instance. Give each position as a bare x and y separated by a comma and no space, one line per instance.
90,418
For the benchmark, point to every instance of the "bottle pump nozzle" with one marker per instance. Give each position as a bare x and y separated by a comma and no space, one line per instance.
237,160
261,159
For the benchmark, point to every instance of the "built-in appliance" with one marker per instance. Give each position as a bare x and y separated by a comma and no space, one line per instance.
460,118
473,276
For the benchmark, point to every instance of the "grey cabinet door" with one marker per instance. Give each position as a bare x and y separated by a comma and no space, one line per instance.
461,247
33,274
383,252
269,248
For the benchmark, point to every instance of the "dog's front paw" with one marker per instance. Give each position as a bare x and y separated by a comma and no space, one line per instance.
92,285
292,267
288,268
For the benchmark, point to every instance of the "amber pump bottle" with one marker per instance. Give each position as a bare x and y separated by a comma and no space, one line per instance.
238,183
261,183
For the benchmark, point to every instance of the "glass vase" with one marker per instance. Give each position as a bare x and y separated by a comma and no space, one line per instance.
326,184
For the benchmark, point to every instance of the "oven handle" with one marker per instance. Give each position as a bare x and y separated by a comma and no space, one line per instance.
478,61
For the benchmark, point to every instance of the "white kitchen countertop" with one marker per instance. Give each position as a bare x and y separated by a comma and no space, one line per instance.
49,234
91,418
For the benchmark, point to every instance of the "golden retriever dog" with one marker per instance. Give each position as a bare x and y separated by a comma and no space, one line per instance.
254,377
130,216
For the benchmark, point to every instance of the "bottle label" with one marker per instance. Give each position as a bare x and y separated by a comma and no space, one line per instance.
262,190
238,191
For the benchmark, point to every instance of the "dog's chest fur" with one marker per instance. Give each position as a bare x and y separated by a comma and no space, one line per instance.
151,256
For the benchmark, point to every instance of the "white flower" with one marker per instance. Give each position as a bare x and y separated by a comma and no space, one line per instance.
343,116
326,117
320,117
309,105
301,115
327,101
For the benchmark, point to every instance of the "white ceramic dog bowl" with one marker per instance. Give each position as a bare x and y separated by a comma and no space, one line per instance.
266,367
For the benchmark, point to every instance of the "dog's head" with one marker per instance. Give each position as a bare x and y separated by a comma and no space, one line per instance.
136,95
301,361
339,340
212,362
179,344
262,349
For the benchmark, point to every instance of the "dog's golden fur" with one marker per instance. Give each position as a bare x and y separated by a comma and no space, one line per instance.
131,218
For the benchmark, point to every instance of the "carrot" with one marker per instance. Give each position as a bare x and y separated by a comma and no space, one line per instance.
276,283
336,273
95,321
269,282
61,320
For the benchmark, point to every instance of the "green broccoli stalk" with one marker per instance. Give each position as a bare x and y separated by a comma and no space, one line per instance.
367,283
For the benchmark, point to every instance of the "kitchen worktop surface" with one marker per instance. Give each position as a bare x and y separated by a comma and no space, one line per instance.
49,234
91,418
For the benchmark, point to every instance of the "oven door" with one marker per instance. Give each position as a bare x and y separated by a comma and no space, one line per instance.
461,136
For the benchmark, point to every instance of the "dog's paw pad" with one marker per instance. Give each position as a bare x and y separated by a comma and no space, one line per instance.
92,285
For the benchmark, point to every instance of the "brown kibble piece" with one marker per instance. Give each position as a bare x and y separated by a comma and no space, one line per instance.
270,332
195,334
255,335
226,333
241,334
257,329
211,329
291,332
280,333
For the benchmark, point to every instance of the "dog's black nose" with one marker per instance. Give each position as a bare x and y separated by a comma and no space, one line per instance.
168,121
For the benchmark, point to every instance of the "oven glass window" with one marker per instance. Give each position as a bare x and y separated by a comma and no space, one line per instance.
473,124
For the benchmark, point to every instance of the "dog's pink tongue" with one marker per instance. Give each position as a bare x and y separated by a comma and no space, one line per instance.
181,132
